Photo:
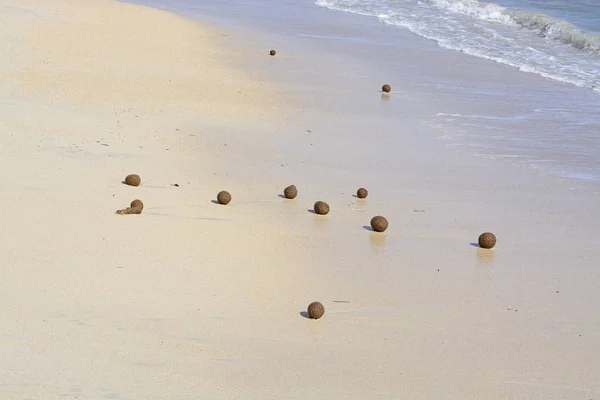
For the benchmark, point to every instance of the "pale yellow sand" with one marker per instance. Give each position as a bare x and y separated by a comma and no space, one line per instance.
196,300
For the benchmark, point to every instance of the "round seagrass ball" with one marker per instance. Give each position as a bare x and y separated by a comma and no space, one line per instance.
487,240
379,223
224,197
321,208
386,88
272,52
137,203
136,208
133,180
315,310
290,192
362,193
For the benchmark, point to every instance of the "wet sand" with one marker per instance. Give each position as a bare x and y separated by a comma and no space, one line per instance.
191,299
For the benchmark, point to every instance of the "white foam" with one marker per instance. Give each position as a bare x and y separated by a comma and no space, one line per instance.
448,115
475,9
532,42
545,25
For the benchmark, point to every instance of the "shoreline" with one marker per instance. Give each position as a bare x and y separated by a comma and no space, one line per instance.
273,20
535,123
195,300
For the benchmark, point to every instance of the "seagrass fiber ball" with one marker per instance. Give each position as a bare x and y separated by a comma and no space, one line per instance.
224,197
136,208
379,223
272,52
386,88
362,193
321,208
133,210
290,192
315,310
133,180
137,203
487,240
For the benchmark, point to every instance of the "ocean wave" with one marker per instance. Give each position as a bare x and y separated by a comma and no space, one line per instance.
494,33
542,24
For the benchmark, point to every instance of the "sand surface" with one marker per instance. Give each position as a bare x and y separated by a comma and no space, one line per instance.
195,300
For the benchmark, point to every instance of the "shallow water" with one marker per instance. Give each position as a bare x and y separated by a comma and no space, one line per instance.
529,40
522,86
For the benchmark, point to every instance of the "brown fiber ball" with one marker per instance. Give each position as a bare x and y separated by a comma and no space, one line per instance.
136,208
386,88
137,203
290,192
321,208
133,180
379,223
487,240
315,310
272,52
362,193
224,197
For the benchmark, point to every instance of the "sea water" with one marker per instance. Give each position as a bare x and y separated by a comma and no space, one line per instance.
558,40
512,79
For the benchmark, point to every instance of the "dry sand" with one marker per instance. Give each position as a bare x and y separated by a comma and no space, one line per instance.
195,300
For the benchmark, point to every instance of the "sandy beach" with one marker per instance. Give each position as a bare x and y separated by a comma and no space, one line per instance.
194,300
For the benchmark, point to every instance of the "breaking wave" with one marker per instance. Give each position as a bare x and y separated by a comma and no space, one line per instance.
544,25
530,41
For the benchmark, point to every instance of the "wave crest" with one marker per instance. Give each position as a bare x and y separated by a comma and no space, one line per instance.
544,25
